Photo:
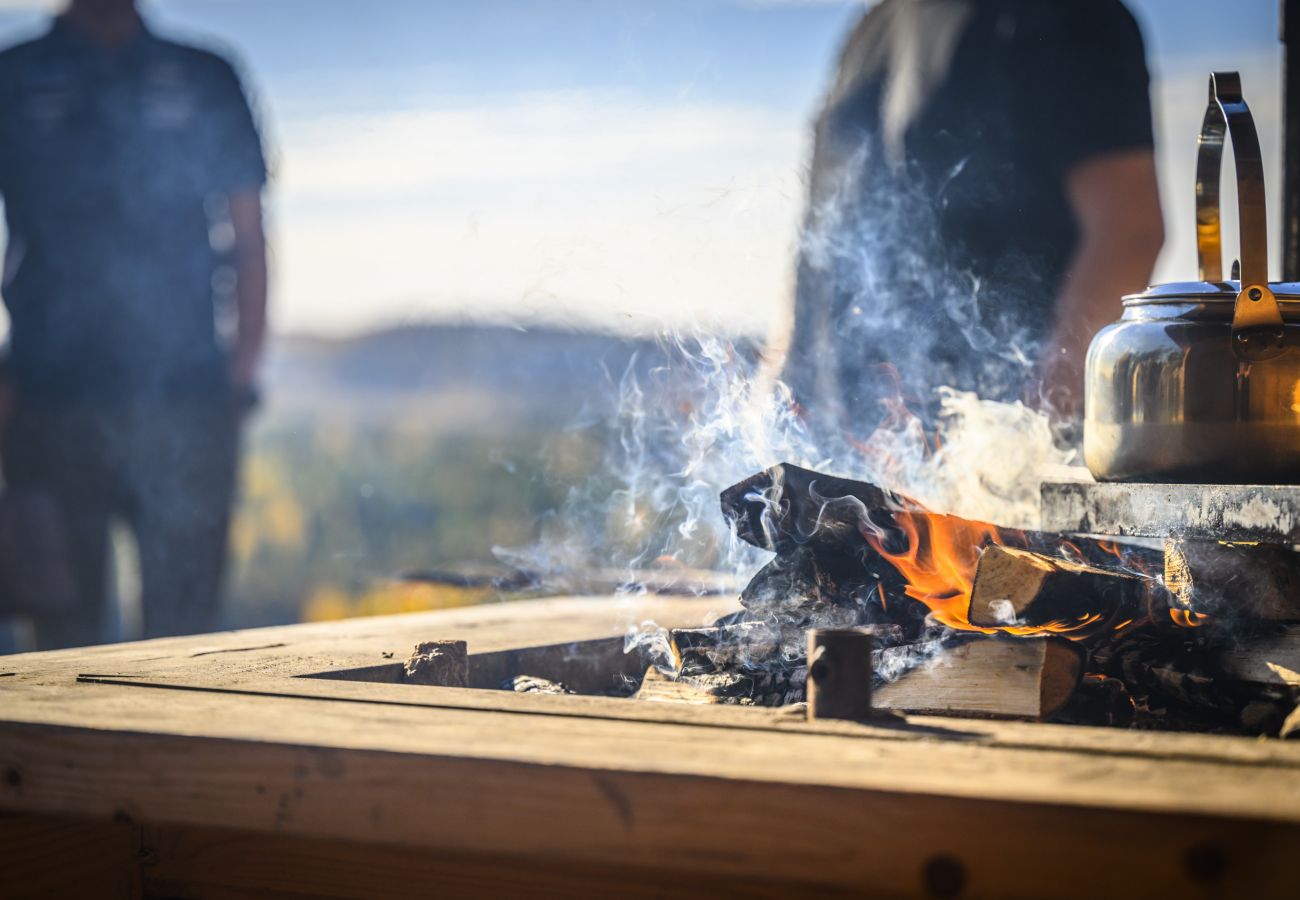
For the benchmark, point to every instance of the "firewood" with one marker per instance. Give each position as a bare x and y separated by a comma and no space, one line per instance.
1018,587
1266,659
1027,678
1290,730
1234,580
745,687
703,650
439,663
788,506
657,686
532,684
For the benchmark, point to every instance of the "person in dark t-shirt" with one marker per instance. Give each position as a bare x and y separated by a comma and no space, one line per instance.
982,193
131,172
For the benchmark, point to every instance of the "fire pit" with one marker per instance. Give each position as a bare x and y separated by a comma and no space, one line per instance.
295,762
1080,624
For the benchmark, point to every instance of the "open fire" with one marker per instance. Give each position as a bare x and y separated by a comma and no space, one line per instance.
970,618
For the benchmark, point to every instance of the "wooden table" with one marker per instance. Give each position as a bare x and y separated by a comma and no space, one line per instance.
207,767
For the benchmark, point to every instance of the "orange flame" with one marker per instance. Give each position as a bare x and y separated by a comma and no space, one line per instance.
939,561
939,558
1188,619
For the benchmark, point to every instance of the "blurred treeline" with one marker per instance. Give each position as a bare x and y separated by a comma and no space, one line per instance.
413,449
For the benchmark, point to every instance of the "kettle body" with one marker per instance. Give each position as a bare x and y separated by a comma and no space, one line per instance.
1169,399
1200,381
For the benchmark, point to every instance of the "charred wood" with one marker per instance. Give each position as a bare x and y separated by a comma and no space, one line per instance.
1234,581
816,586
788,506
1268,659
778,687
1099,700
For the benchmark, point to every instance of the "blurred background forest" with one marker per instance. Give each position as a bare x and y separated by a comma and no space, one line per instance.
414,449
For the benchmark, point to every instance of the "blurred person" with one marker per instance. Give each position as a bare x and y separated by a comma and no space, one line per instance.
131,171
982,193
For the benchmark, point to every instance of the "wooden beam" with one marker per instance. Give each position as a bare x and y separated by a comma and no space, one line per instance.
618,816
60,856
227,863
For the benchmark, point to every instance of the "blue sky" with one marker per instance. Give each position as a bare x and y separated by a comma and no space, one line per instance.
629,164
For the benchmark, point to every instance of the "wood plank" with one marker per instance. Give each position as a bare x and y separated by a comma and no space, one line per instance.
956,767
220,863
1207,748
314,648
575,781
879,841
54,856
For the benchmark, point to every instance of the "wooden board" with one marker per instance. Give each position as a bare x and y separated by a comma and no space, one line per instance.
220,732
51,856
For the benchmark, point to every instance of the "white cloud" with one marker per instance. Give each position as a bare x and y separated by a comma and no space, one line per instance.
577,206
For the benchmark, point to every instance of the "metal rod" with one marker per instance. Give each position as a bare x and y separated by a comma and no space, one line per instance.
1289,26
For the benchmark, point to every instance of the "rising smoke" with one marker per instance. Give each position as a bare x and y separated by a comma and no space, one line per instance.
899,374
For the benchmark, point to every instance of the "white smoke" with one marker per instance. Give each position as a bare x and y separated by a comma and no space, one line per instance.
703,417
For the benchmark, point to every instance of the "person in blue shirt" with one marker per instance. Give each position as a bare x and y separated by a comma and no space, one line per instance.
132,174
983,191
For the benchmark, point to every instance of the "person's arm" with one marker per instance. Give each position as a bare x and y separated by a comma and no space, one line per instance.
1116,201
250,287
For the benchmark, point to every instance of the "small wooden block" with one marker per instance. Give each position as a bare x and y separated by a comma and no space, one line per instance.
439,664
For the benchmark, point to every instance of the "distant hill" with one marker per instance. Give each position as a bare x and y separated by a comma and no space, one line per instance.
471,377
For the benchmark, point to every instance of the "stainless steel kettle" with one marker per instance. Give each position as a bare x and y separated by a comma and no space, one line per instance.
1200,381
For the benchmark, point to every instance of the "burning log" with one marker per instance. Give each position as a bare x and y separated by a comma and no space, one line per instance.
1245,582
1029,678
852,554
787,506
1021,588
862,535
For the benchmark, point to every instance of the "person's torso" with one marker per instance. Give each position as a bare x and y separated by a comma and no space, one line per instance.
105,162
976,189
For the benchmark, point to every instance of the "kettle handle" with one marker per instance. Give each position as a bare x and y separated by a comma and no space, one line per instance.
1257,329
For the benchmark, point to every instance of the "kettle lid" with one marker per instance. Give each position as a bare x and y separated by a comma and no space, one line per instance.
1206,291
